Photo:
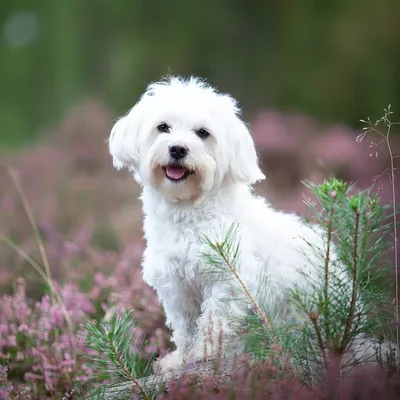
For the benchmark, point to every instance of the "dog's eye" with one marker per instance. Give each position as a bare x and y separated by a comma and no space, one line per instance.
202,133
163,128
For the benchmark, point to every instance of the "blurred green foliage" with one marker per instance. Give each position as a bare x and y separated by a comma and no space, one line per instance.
338,60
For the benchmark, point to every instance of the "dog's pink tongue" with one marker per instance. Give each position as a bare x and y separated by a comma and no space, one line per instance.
175,172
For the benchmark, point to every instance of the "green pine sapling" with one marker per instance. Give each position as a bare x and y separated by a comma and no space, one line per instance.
344,309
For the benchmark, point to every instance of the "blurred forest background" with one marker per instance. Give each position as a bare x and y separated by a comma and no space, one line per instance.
336,60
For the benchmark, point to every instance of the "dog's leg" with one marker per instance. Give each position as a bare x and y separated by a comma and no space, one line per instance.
181,314
219,324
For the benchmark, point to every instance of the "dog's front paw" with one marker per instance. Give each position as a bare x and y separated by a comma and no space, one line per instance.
197,356
170,362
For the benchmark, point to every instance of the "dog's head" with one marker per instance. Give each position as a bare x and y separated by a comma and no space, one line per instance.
185,139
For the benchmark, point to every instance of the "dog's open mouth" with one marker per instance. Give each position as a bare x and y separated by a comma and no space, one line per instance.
176,173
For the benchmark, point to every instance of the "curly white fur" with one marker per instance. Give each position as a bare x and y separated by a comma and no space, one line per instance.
216,194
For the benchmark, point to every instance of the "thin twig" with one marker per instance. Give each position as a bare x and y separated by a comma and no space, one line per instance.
387,121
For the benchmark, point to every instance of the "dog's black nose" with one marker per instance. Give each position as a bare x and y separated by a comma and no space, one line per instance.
177,152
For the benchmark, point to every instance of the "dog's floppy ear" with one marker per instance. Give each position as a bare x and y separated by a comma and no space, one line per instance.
123,141
244,161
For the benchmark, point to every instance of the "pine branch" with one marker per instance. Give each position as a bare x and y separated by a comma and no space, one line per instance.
123,365
113,357
244,287
228,251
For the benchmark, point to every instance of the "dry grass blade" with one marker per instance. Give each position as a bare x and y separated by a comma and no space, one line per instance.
29,213
45,274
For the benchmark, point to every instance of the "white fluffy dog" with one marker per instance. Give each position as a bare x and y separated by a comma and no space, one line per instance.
195,160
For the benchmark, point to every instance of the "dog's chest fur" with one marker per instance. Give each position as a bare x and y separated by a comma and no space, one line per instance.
269,241
175,242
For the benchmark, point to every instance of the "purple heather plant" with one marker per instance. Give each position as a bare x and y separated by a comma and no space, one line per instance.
38,347
5,387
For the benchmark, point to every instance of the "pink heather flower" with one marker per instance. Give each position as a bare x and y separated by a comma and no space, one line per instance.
44,305
23,328
71,248
57,316
32,377
12,340
101,280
